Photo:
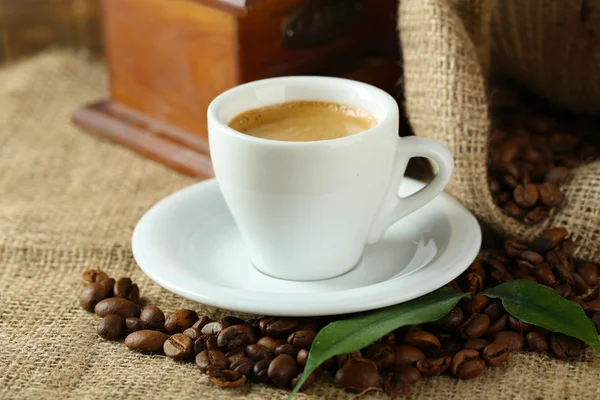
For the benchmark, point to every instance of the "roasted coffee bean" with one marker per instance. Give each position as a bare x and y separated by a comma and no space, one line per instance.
236,354
473,327
514,340
494,310
513,210
589,273
537,342
180,320
358,360
286,348
495,265
499,325
358,377
225,378
134,324
475,344
93,276
407,354
450,321
94,292
398,382
421,339
466,364
117,306
231,320
261,370
557,175
502,198
282,370
152,317
407,373
434,366
235,336
500,277
564,290
518,325
381,354
454,285
477,304
201,323
565,346
302,339
537,215
450,345
125,288
567,247
549,239
525,265
544,275
307,383
509,181
596,321
342,358
244,366
389,339
213,358
270,343
178,347
213,328
193,333
205,342
278,327
146,340
526,195
496,353
302,357
258,352
591,306
575,299
523,272
111,327
308,324
514,248
563,142
579,285
494,185
531,256
474,283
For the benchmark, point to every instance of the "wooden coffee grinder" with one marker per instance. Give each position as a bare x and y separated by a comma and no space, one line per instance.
167,59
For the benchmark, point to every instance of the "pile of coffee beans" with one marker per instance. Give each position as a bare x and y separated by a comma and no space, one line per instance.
476,334
532,152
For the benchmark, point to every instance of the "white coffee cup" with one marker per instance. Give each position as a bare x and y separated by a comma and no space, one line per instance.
306,210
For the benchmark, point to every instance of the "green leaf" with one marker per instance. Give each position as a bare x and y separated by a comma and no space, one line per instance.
537,305
353,334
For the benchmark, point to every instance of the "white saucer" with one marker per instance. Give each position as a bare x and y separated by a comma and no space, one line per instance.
188,243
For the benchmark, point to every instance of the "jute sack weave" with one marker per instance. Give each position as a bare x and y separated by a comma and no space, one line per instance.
447,47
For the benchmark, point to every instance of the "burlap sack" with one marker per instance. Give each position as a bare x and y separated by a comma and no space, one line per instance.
69,201
446,50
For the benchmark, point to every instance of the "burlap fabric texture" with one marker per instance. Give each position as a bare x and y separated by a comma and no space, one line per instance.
69,201
448,50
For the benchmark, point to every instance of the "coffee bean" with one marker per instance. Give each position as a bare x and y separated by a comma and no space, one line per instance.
514,248
579,285
205,342
567,247
278,327
146,340
450,321
434,366
235,336
258,352
236,354
225,378
565,346
134,324
540,123
111,327
270,343
193,333
563,290
421,339
557,175
513,210
589,273
591,306
494,310
286,348
125,288
307,383
201,323
477,304
494,185
390,339
526,195
260,370
180,320
381,354
302,339
213,328
152,317
499,325
502,198
549,239
473,327
407,373
118,306
302,357
358,377
474,283
475,344
537,215
407,354
531,256
243,366
518,325
467,365
231,320
496,353
544,275
450,345
342,358
537,342
282,370
93,276
563,142
397,383
213,358
94,292
178,346
514,340
596,321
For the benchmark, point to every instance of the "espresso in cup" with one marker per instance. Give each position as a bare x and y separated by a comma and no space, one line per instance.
303,121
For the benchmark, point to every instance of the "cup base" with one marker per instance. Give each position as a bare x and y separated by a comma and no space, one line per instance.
320,278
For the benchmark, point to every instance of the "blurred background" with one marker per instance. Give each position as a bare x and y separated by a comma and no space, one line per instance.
30,26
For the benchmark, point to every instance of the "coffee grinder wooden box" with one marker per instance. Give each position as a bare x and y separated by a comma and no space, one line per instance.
167,59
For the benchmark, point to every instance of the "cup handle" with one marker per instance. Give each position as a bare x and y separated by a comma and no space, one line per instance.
395,207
